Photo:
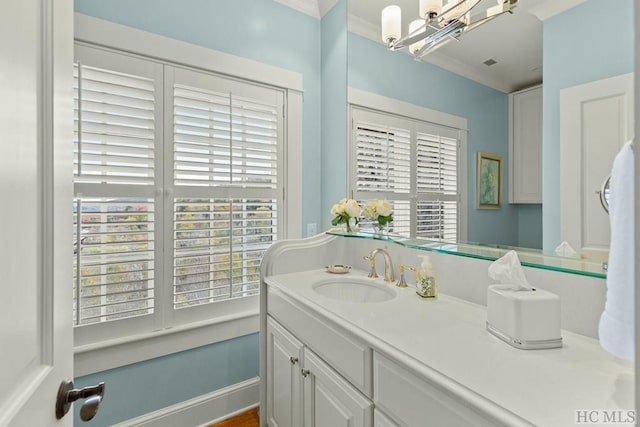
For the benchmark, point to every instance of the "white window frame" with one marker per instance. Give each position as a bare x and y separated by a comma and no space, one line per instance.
241,319
391,106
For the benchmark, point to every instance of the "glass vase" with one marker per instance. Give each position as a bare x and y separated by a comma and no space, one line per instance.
351,226
381,230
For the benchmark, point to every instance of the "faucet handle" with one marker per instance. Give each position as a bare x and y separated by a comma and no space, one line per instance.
402,283
372,272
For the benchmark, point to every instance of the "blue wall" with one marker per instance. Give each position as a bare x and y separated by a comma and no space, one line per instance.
398,76
580,45
261,30
137,389
334,108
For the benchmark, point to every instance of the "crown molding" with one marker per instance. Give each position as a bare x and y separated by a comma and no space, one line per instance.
308,7
371,31
325,6
550,8
361,27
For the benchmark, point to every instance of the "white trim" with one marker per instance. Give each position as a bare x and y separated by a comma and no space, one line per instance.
203,410
293,169
325,6
308,7
363,28
551,8
111,354
463,213
392,105
127,39
371,31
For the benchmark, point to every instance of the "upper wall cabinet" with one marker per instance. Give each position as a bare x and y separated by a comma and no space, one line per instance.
525,146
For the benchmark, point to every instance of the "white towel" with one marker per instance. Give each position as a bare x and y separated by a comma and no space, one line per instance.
616,328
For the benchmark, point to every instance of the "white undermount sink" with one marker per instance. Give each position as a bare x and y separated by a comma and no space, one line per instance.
354,290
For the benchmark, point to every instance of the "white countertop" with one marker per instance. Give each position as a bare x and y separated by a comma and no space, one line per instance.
446,340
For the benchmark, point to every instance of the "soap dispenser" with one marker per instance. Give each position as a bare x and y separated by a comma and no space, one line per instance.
426,286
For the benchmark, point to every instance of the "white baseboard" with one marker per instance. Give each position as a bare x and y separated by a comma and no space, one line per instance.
203,410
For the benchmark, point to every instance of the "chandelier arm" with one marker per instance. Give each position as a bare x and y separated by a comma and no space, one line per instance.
472,3
413,37
438,30
441,37
479,21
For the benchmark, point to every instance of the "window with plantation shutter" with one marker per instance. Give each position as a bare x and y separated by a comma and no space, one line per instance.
115,144
227,145
413,165
178,183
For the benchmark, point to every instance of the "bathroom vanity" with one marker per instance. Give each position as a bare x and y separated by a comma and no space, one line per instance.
347,350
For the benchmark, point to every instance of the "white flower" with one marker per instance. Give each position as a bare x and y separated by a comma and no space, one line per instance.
352,208
337,209
369,211
374,209
383,208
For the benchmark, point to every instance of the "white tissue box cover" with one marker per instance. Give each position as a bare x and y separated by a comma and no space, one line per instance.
524,315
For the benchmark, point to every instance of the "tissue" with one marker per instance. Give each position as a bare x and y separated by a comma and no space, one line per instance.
564,249
508,271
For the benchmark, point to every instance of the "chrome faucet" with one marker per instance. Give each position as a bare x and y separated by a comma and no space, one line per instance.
388,265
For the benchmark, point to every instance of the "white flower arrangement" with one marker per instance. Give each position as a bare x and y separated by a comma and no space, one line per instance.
379,211
343,211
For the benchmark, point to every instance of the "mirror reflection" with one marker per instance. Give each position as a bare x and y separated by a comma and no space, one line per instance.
514,108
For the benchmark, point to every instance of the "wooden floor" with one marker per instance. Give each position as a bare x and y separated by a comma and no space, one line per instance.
245,419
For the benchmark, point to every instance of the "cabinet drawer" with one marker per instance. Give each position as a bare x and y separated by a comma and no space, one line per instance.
345,353
412,401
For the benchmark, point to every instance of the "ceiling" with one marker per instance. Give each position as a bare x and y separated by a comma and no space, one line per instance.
513,41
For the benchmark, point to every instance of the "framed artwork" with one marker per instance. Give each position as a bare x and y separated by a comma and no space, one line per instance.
489,181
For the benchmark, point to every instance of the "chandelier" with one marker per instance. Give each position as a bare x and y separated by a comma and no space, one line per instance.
440,21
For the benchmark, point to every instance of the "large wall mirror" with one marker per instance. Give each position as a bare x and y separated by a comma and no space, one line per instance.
472,78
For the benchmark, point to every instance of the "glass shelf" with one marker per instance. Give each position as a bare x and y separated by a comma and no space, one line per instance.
528,257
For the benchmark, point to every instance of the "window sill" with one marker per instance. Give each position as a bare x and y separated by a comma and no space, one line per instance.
92,358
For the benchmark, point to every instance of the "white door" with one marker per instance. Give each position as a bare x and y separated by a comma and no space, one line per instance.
596,119
36,118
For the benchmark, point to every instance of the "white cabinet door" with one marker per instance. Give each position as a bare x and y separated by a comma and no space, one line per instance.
381,420
36,161
525,146
284,394
329,400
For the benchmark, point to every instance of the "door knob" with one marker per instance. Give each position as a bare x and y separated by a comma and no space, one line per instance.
67,395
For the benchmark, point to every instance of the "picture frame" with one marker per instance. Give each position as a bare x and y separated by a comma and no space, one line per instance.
489,179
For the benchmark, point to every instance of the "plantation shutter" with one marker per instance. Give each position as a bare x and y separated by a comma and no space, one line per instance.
412,164
226,183
116,107
382,169
437,182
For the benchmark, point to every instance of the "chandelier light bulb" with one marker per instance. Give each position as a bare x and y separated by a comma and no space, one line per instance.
391,23
456,13
430,8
